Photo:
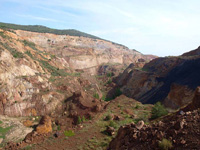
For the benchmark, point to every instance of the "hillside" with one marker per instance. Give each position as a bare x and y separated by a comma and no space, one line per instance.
61,76
171,80
43,29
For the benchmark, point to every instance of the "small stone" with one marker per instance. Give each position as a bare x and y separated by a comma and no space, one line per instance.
160,123
181,112
57,134
1,140
188,113
140,125
27,141
183,141
110,130
133,124
135,136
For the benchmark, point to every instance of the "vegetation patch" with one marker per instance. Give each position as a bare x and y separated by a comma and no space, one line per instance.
30,44
29,54
13,51
69,133
3,131
158,110
165,144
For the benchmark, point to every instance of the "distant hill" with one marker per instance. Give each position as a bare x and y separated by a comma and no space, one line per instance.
43,29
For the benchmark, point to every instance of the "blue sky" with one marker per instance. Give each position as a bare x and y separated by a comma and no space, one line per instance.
159,27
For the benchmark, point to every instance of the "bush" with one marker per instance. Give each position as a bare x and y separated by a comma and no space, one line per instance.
30,44
96,95
109,81
83,119
165,144
109,74
117,93
29,54
108,117
69,133
158,110
79,120
113,124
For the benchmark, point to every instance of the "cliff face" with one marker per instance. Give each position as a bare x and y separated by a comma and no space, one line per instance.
172,80
82,52
36,69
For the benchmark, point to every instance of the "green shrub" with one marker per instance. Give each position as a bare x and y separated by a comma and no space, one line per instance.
165,144
108,117
113,124
13,51
109,74
69,133
158,110
96,95
58,128
137,106
3,35
79,120
3,131
53,70
109,81
83,119
29,54
30,44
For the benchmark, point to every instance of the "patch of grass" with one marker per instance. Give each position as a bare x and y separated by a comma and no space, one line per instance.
96,95
158,110
83,119
53,70
113,124
69,133
108,117
3,35
58,128
3,131
137,106
79,120
53,56
109,74
29,54
109,81
13,51
28,147
30,44
165,144
52,79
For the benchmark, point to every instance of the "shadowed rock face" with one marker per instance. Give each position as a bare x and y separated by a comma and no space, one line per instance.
172,80
193,52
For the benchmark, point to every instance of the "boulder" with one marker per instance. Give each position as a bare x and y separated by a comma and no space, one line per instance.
28,123
44,126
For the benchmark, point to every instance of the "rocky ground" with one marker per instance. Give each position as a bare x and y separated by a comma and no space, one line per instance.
183,132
